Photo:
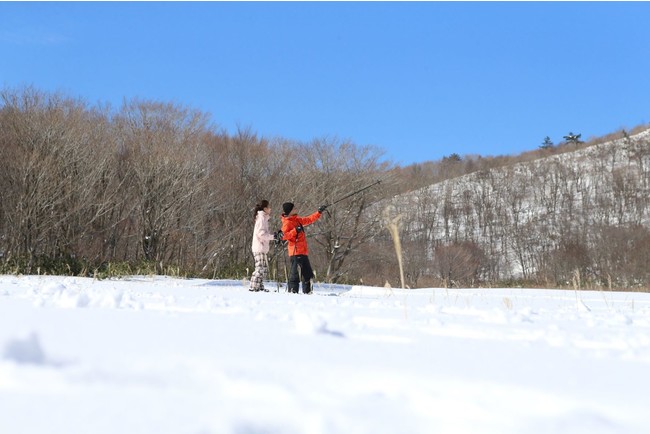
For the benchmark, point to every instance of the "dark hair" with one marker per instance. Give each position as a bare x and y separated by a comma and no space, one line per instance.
260,207
287,207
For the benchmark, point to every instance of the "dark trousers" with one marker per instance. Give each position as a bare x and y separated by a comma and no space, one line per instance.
300,270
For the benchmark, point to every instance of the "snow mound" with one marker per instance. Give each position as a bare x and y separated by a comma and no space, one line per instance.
26,350
370,292
71,294
310,323
581,422
60,294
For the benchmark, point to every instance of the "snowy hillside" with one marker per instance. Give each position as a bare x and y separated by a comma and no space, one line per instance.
159,355
527,218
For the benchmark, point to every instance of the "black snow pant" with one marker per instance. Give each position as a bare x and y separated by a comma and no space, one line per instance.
300,270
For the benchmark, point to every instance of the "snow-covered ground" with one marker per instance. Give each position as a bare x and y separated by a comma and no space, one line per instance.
160,355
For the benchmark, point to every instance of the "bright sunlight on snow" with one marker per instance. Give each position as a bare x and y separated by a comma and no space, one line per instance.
160,355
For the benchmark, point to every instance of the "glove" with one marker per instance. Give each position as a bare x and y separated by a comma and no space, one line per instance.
322,208
278,236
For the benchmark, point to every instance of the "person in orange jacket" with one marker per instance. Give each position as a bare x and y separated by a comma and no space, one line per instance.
293,231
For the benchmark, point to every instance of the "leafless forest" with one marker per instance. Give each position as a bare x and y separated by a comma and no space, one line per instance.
154,187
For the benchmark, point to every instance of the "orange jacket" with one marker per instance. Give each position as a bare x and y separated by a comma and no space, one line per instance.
297,240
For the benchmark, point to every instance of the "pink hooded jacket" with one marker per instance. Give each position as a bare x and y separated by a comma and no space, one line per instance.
261,234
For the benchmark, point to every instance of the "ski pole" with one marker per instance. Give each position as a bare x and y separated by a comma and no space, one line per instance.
275,256
355,192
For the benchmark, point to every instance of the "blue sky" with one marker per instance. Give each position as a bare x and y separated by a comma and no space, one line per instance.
419,80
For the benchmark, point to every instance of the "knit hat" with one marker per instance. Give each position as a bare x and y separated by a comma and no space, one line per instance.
287,207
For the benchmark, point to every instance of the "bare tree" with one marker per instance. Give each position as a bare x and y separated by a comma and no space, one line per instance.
52,145
331,169
163,143
460,263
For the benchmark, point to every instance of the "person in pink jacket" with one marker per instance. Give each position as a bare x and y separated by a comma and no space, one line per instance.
260,246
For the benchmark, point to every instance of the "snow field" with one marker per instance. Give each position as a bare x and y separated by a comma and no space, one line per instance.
160,355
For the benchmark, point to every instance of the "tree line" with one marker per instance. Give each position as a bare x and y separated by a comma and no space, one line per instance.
154,187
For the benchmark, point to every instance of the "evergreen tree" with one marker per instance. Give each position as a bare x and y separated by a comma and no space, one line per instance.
547,143
453,158
573,138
